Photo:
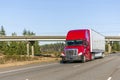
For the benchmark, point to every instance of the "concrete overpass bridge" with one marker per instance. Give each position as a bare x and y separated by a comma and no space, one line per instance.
110,40
31,39
47,38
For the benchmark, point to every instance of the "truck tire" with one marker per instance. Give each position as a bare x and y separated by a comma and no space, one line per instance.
83,59
62,61
103,55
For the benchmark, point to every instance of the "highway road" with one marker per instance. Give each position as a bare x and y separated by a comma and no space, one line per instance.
107,68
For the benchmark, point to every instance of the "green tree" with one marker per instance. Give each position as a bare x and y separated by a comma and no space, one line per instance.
116,46
24,32
2,31
28,33
2,44
37,47
15,47
55,48
14,34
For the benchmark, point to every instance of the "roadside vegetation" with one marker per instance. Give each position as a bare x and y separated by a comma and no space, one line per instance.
115,47
15,51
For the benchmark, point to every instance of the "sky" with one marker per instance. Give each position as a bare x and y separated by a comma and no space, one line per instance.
57,17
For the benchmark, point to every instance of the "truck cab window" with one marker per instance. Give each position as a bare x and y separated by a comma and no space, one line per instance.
74,42
78,42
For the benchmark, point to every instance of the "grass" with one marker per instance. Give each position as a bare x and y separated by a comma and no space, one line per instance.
16,60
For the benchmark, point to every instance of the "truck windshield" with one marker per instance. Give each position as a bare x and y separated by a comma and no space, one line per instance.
74,42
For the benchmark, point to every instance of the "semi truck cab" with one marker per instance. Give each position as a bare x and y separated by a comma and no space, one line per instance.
79,46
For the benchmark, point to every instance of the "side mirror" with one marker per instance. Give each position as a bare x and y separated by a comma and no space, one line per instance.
86,43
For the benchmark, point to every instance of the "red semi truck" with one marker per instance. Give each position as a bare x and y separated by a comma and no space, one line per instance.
83,45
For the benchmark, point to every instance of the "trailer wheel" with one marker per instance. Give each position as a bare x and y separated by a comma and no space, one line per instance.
93,56
83,59
103,55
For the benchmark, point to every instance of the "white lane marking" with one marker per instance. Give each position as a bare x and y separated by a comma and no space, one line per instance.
109,78
26,79
76,66
10,71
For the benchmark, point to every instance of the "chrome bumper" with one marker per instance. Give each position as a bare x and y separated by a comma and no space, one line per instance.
71,58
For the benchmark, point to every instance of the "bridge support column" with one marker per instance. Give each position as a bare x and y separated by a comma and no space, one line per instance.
32,47
109,47
28,50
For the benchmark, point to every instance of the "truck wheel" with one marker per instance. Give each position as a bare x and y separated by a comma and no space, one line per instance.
103,55
83,59
62,61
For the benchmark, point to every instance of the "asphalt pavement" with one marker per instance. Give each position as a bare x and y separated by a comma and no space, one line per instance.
107,68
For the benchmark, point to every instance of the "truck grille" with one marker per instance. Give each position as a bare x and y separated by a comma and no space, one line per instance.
71,52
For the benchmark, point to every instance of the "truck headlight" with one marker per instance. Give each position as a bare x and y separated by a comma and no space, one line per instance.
62,54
